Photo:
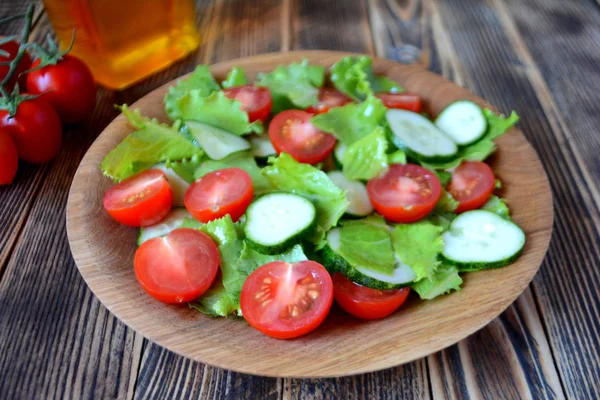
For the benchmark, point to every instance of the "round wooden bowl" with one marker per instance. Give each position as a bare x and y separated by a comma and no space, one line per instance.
104,250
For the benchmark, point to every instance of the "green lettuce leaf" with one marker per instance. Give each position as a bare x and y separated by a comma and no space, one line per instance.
236,77
216,110
441,219
293,86
286,174
446,203
216,302
354,76
250,259
201,80
351,122
366,243
151,144
243,160
445,279
397,157
185,168
366,158
418,245
497,205
483,148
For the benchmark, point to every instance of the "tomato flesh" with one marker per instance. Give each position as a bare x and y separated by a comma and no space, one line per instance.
291,132
284,300
328,99
218,193
255,100
9,160
472,184
364,302
179,267
405,193
141,200
405,101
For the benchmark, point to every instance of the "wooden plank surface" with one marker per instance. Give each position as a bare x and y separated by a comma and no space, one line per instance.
60,342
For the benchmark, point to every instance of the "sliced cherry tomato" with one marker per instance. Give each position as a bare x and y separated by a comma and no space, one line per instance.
179,267
68,85
141,200
406,193
471,185
291,132
218,193
404,101
255,100
328,99
12,48
284,300
364,302
35,129
9,160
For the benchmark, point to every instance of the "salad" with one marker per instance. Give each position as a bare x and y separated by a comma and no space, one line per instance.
270,200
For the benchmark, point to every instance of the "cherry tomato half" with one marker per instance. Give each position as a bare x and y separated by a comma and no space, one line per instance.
328,99
472,184
255,100
141,200
291,132
12,48
35,129
284,300
179,267
9,160
404,101
364,302
406,193
67,85
218,193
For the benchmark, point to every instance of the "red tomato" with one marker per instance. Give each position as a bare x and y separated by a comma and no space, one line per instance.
364,302
179,267
255,100
291,132
406,193
68,85
404,101
328,98
471,185
35,129
9,161
218,193
285,300
141,200
12,48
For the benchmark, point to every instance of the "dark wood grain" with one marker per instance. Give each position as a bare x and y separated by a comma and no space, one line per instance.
568,284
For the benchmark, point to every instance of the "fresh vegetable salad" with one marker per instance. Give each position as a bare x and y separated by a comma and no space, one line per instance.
268,200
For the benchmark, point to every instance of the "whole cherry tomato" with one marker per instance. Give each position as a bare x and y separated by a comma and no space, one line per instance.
12,48
9,161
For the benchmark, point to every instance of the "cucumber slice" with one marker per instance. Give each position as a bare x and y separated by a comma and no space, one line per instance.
216,142
359,204
178,185
277,221
419,137
338,153
463,121
481,239
403,274
172,221
262,146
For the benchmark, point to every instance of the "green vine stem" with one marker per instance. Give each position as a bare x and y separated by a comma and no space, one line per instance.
24,38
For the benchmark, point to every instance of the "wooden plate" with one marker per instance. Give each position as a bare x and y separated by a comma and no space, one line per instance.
103,251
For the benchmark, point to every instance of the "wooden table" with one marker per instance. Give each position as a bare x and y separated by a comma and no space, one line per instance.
539,57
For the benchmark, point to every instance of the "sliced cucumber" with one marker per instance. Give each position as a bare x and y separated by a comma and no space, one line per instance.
216,142
481,239
403,274
172,221
463,121
277,221
359,204
178,185
419,137
338,154
262,146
